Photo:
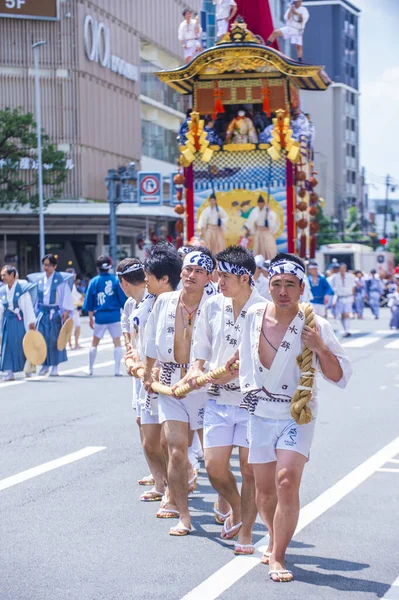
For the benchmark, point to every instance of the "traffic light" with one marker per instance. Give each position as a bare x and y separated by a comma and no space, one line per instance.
383,241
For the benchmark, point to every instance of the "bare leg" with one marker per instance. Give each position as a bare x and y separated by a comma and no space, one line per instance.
266,496
276,33
77,336
288,478
299,51
217,464
154,454
176,435
248,505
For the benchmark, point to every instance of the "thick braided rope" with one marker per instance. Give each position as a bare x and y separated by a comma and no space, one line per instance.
303,394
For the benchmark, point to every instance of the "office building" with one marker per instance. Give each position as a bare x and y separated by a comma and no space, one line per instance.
102,105
331,39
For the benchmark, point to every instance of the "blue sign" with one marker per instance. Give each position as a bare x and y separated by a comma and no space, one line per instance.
173,190
150,188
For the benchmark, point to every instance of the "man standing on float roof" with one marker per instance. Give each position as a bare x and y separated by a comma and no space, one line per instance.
54,305
296,18
104,301
225,11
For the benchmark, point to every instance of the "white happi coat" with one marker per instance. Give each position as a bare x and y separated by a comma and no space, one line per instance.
216,339
268,392
160,335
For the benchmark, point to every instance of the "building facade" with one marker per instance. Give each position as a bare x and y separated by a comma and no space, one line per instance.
102,105
331,39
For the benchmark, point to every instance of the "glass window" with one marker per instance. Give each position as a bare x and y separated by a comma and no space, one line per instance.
283,8
353,125
348,176
158,142
353,100
354,151
155,89
353,177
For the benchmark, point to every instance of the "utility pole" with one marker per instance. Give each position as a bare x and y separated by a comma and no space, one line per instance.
111,181
362,198
35,49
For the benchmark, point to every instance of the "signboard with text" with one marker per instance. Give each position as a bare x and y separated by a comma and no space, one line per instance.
45,10
150,188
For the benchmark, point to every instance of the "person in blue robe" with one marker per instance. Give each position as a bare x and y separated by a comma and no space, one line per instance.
360,292
16,317
374,290
54,305
320,289
103,302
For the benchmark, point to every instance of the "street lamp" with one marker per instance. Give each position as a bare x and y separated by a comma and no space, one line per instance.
35,48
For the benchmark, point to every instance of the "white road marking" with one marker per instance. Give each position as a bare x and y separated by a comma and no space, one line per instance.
392,345
383,387
392,594
393,460
85,351
361,342
49,466
230,573
388,470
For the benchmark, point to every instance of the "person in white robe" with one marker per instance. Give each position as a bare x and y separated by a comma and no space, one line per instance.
225,11
263,224
189,35
169,334
212,226
53,307
261,282
274,334
17,316
344,287
162,274
78,299
216,337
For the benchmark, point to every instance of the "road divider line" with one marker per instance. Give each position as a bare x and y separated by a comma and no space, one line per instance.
229,574
49,466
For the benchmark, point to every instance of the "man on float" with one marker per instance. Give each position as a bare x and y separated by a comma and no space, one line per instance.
54,305
225,11
296,18
273,338
262,222
190,35
212,225
17,316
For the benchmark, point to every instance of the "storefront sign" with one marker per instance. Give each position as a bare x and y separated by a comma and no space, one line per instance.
45,10
97,42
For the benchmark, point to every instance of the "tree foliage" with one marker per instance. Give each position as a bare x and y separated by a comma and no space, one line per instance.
18,162
393,245
327,233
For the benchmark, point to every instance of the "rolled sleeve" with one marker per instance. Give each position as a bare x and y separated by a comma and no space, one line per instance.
328,336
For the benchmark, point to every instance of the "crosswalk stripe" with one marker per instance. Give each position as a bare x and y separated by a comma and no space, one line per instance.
360,342
392,345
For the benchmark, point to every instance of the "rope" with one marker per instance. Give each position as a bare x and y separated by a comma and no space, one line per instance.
303,394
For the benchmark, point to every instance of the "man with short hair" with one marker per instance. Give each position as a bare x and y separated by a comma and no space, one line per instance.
190,35
17,316
216,337
263,223
320,288
296,18
374,291
162,274
344,286
225,11
104,301
54,305
274,335
169,333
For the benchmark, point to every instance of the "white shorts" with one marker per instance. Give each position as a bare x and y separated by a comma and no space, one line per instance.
289,33
222,26
268,435
344,305
319,309
225,425
115,330
76,318
188,410
145,416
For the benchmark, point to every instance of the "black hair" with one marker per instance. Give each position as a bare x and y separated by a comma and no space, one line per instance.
10,270
206,251
103,260
164,261
51,258
237,255
186,10
70,270
291,257
133,277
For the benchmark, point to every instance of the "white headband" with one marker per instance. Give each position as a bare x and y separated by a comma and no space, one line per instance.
131,269
105,266
286,267
227,267
199,259
184,249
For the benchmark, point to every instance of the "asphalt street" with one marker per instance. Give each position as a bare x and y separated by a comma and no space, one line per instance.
72,526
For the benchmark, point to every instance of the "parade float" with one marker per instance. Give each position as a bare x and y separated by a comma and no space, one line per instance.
245,139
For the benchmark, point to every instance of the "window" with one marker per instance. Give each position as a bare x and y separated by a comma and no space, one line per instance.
159,142
353,72
353,100
353,125
348,176
353,177
348,123
348,149
155,89
353,154
283,9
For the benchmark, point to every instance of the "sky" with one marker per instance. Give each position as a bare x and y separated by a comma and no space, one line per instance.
379,87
